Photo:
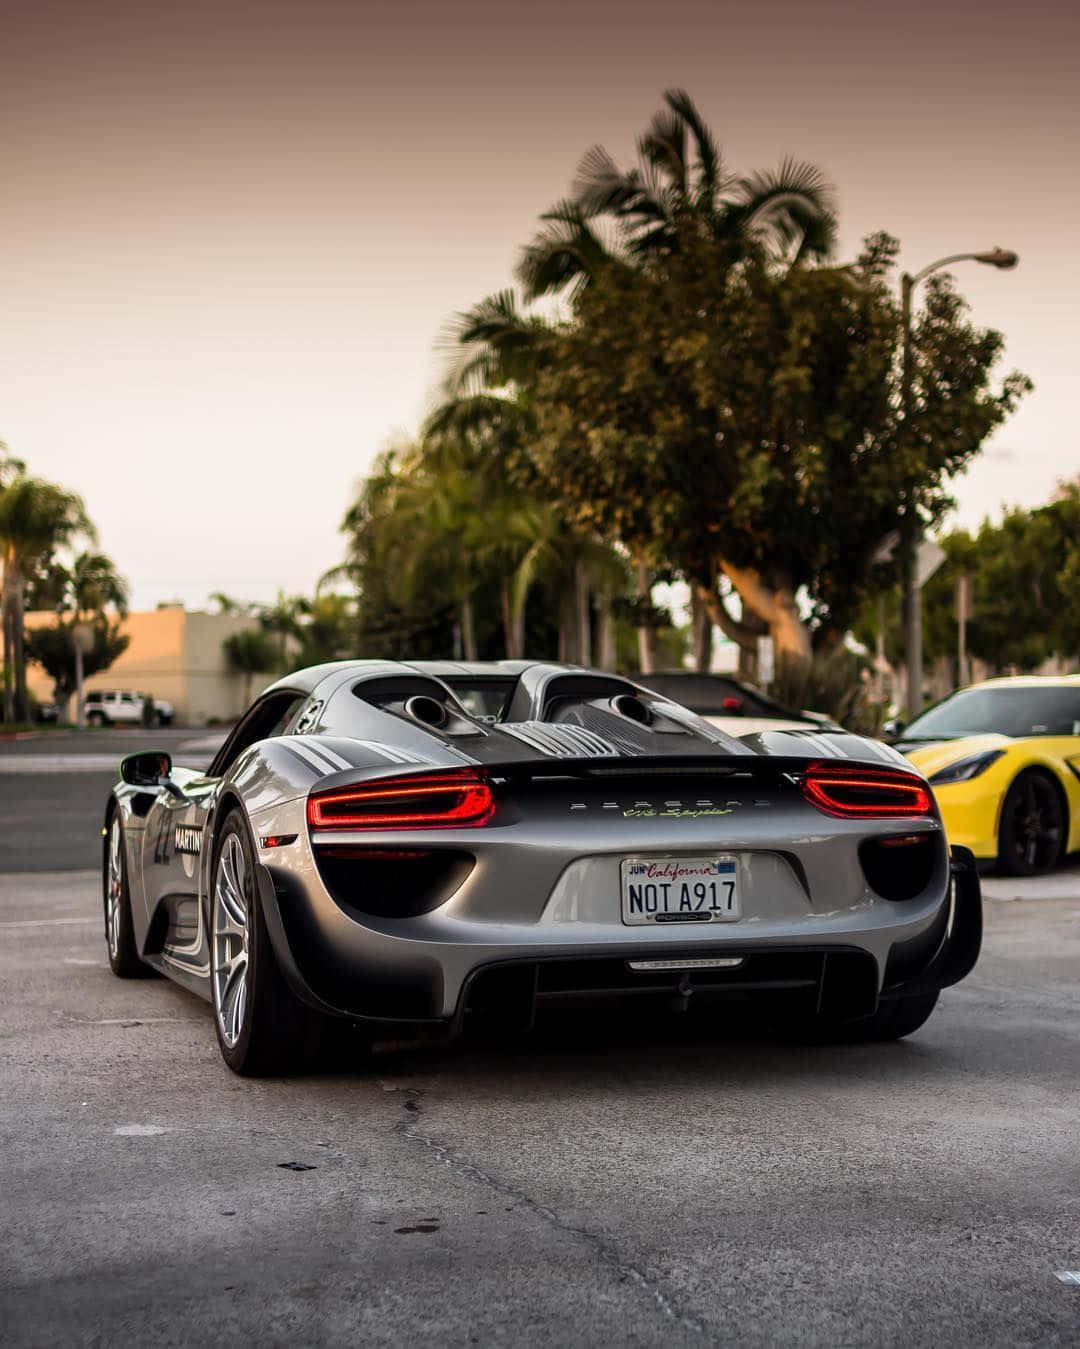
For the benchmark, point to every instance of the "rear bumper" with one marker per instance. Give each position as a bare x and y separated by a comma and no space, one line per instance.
838,973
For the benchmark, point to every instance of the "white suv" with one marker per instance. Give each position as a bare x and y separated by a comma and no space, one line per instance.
114,707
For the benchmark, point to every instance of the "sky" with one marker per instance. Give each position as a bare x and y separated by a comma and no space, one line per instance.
233,231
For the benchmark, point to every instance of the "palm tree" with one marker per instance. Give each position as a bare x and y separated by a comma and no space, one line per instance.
250,652
36,518
680,184
95,585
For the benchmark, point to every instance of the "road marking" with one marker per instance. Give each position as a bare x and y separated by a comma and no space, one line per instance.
138,1130
143,1021
1068,1275
46,922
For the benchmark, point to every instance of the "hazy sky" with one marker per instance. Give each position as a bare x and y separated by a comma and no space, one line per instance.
232,231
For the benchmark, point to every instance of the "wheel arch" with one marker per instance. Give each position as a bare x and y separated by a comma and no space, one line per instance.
229,800
1048,769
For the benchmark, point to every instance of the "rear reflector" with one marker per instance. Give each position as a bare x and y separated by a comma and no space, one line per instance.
447,799
720,963
865,793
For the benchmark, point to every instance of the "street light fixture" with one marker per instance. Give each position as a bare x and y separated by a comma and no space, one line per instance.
1004,259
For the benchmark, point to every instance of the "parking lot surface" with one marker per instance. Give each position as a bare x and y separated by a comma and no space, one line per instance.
691,1183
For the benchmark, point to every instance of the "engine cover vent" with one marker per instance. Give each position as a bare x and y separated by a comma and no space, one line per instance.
561,741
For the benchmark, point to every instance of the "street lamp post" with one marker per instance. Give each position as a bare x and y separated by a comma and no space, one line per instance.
996,257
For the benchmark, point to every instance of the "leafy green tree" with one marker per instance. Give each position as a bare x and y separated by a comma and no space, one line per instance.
53,648
740,423
36,518
1023,577
1023,573
90,590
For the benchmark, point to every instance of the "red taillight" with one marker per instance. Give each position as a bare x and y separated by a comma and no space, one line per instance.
424,801
862,793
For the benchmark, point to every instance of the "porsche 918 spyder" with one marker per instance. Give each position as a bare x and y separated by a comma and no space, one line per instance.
1003,758
451,844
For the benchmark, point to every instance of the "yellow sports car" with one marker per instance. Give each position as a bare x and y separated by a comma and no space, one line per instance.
1003,758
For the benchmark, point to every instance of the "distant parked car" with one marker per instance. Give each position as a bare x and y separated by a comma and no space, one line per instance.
730,704
126,707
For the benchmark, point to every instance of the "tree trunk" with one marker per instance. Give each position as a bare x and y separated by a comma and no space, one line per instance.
774,605
584,627
645,634
506,614
607,657
519,630
744,632
567,633
6,643
701,626
468,628
22,697
9,658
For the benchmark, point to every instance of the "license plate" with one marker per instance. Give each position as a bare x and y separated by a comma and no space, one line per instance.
680,890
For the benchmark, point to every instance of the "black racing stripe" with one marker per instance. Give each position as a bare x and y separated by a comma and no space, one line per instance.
300,758
324,757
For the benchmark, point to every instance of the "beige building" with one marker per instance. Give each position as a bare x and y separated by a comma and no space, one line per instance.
174,654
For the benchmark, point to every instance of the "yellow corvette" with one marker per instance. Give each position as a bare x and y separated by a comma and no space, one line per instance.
1003,758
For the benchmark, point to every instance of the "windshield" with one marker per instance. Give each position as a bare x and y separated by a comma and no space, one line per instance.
1006,711
712,695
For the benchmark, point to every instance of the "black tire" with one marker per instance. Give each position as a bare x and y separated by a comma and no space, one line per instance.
124,959
273,1034
1034,825
95,719
894,1018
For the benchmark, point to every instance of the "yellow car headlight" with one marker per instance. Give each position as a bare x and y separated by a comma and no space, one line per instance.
963,770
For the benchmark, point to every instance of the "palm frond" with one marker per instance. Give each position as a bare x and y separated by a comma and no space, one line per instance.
601,187
663,145
493,344
566,252
795,204
710,169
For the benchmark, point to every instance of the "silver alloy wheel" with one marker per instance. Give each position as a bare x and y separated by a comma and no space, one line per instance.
229,922
114,890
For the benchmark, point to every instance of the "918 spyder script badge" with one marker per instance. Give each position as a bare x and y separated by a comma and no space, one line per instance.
673,812
187,839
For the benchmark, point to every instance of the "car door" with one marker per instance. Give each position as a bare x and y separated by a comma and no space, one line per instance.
175,837
172,843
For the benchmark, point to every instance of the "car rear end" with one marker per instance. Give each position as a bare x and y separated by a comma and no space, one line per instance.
497,892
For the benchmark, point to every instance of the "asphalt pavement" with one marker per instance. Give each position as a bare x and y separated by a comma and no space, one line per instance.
687,1185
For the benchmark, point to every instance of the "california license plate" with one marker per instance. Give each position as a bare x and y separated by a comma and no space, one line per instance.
680,890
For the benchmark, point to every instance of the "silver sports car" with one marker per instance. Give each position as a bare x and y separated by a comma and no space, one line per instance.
455,844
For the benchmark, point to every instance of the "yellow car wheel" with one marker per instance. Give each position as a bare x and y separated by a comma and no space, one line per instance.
1034,825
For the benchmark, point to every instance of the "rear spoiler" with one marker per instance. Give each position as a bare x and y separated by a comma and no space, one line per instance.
749,767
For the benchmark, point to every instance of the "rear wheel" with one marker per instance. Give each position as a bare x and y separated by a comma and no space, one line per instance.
263,1029
95,718
124,959
1034,824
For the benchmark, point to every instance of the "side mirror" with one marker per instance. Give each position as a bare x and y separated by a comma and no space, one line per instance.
146,769
893,728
